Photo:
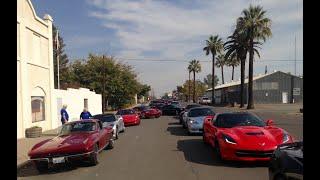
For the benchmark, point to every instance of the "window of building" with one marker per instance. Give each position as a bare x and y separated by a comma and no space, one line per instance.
85,103
37,108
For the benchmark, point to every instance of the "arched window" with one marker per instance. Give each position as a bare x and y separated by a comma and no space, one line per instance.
38,108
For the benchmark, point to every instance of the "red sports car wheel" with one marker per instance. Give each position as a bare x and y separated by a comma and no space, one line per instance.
218,151
94,156
204,139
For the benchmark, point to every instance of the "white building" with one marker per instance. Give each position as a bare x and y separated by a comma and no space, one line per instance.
38,103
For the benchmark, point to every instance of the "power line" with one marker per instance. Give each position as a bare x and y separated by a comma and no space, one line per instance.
183,60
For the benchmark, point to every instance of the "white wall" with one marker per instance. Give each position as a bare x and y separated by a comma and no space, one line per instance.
34,65
74,98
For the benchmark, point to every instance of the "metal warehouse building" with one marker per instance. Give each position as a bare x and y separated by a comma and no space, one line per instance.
275,87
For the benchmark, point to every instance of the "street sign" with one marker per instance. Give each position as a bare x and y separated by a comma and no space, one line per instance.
296,91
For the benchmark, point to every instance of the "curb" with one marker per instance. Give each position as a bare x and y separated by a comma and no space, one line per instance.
22,164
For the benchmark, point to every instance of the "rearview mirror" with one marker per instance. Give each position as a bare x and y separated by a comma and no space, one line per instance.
269,122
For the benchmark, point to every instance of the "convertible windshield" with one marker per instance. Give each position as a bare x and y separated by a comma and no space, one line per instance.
125,112
233,120
200,112
78,127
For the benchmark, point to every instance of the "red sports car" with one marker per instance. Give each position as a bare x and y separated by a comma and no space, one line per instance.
77,140
130,117
147,112
243,136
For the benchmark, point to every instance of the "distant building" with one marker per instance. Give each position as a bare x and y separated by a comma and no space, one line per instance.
275,87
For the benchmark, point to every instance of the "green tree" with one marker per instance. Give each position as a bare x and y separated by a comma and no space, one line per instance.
208,80
64,72
195,67
143,90
256,27
213,45
199,88
189,70
220,63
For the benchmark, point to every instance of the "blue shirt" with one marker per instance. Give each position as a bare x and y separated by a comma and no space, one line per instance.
64,115
85,115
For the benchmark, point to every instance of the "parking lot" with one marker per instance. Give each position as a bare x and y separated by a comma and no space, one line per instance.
161,149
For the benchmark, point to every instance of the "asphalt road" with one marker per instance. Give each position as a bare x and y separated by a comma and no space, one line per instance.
161,149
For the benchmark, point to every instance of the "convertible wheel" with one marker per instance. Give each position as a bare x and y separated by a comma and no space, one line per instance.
94,156
111,144
41,166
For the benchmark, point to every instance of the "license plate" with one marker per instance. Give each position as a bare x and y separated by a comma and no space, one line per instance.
58,160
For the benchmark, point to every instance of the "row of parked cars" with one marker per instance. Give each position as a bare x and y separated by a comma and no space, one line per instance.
82,140
243,136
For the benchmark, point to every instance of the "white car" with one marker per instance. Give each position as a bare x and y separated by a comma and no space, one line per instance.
195,119
204,100
112,120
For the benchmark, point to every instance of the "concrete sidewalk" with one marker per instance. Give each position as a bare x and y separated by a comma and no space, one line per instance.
274,108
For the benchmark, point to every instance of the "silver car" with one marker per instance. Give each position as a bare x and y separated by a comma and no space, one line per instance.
195,118
112,120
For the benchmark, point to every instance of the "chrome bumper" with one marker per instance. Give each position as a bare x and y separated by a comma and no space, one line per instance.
68,156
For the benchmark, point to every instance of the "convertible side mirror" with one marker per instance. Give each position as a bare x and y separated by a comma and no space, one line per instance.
269,122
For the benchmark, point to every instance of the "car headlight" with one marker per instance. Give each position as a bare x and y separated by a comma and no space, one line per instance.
285,138
228,139
193,122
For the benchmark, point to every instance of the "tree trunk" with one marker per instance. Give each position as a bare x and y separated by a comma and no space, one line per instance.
242,67
222,74
189,93
212,81
250,89
232,73
194,87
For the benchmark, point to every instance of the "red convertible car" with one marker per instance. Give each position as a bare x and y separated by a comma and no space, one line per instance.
242,136
77,140
147,112
130,117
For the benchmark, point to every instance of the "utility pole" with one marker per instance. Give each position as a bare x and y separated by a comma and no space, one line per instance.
58,62
295,56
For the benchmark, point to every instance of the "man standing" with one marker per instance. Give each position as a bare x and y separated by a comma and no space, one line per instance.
85,114
64,114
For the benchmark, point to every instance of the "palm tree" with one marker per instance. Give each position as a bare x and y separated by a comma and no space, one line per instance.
233,61
189,69
256,27
195,67
213,46
220,63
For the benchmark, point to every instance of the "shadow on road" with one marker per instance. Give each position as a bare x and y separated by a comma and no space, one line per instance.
197,152
29,169
177,131
173,123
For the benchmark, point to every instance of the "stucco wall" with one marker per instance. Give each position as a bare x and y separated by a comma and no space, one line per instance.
74,99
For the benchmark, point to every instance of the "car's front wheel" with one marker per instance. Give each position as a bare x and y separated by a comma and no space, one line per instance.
218,152
94,156
204,139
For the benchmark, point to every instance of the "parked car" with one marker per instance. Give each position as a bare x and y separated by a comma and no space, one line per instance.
77,140
148,112
177,103
112,120
204,100
195,118
130,117
287,162
171,110
157,106
243,136
183,114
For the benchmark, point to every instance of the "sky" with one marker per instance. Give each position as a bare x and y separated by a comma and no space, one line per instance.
163,30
